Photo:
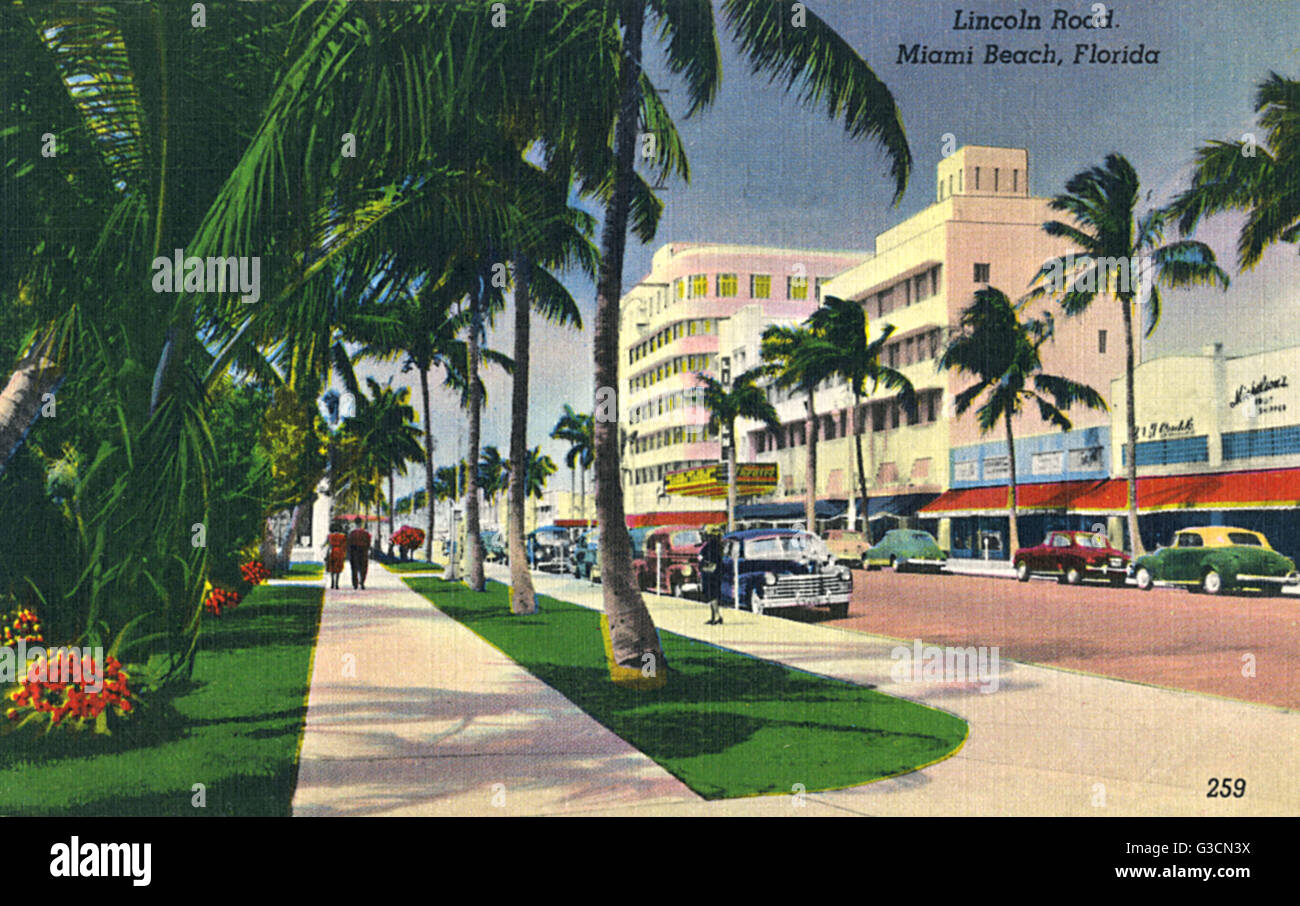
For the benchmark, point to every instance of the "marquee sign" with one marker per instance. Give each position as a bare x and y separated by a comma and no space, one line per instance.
752,480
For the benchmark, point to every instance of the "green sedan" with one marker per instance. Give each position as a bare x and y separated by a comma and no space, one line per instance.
1216,559
905,548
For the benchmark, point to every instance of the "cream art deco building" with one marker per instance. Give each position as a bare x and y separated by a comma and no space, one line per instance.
672,326
983,229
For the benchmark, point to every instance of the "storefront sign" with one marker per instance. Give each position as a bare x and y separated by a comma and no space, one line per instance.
997,467
1167,430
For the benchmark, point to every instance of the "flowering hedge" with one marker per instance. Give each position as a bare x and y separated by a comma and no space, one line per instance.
20,626
62,689
219,600
254,572
408,538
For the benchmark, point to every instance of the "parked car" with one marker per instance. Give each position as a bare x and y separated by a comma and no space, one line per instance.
1216,559
1072,557
670,560
548,548
783,567
494,546
584,560
848,547
906,549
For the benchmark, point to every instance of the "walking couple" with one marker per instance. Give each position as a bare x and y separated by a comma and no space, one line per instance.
354,547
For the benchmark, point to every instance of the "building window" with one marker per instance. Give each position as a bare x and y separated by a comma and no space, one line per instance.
727,284
796,287
884,303
817,287
977,179
679,288
949,183
893,414
699,285
760,286
997,172
981,271
934,280
931,407
1101,342
878,417
1015,180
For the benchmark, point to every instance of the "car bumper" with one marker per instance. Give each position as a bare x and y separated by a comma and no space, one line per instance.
923,562
1289,579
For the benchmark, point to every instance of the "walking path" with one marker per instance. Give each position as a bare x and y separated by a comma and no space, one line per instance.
433,720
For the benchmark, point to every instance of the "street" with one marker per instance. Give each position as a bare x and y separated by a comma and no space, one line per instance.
1167,636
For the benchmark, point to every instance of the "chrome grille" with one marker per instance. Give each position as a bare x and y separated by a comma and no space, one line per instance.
814,586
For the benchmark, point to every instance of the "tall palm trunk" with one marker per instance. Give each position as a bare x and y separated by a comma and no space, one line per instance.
859,425
37,374
1013,512
731,477
522,597
1130,423
810,465
428,460
473,543
632,635
391,499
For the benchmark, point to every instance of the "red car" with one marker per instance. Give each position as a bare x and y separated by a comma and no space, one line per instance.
1073,557
670,560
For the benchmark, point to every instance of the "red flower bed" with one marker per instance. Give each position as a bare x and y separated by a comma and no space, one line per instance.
20,626
219,600
255,572
408,537
60,688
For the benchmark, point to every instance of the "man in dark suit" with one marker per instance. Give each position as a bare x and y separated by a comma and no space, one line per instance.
359,553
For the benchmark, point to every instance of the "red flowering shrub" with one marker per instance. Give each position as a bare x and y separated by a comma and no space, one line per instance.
72,690
220,600
21,625
255,572
408,537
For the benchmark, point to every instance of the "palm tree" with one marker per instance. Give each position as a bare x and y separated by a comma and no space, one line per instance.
1262,180
578,429
802,358
1001,351
844,323
829,72
493,473
540,468
743,399
1114,242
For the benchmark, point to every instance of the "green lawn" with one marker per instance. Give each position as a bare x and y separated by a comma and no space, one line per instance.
236,730
725,723
414,566
306,569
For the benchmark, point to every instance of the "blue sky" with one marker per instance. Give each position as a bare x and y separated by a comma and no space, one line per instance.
767,171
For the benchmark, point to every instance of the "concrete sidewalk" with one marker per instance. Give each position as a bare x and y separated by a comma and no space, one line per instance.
432,720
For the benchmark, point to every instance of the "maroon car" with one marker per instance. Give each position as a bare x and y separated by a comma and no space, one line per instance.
670,560
1073,557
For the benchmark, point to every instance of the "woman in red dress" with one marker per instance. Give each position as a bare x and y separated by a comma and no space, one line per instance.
336,553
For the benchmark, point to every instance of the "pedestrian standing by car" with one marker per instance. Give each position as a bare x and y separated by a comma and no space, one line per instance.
359,553
710,559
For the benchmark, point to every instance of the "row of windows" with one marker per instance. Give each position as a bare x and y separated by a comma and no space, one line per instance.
693,328
881,416
682,434
687,363
1169,452
911,350
669,402
727,286
1261,442
905,292
1000,183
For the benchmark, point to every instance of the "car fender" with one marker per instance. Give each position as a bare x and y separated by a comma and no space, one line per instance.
1226,565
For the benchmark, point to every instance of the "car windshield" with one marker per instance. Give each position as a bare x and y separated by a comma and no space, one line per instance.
1085,540
919,536
1248,538
785,546
687,539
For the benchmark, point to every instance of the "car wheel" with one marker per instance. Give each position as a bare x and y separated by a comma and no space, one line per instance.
1145,581
839,611
893,564
1073,575
865,565
1212,582
676,589
1022,571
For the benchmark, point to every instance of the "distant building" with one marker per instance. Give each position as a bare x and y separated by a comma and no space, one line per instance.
672,324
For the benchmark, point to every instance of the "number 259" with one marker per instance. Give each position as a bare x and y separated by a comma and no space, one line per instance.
1225,787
